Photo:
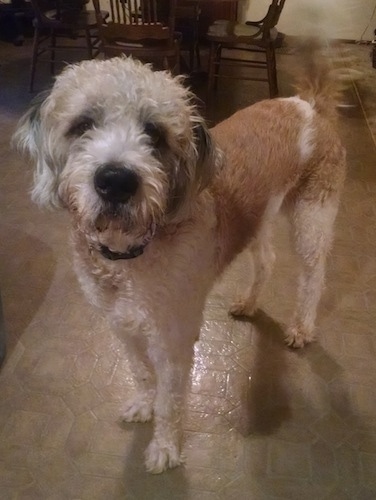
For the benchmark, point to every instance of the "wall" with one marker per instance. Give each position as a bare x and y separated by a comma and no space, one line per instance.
347,19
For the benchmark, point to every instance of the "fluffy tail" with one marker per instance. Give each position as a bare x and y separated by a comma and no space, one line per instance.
322,75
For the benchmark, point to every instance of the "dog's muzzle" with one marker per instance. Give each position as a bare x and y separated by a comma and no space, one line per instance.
115,183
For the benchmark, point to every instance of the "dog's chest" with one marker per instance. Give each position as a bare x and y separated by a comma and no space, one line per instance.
173,270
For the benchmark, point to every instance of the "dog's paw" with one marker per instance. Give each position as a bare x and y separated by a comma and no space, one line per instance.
139,408
162,456
243,307
297,338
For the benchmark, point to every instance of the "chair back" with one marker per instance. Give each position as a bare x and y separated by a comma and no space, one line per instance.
45,12
272,17
136,24
56,13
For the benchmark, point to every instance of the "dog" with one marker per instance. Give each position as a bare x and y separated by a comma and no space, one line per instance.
160,205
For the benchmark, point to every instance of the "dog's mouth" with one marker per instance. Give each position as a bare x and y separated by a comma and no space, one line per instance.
132,251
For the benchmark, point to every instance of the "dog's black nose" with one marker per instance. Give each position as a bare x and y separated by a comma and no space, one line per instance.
115,183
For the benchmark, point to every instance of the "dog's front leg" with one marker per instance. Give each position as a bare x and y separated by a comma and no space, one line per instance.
171,355
139,408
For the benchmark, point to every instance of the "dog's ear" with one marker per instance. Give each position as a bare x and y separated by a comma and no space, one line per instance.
31,138
208,156
196,168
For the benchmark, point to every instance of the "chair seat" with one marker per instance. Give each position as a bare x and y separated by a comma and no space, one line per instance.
85,18
80,20
237,32
144,49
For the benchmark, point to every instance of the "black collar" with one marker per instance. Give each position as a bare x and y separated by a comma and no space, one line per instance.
131,254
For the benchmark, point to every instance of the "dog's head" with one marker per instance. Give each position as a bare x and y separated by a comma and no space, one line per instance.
122,147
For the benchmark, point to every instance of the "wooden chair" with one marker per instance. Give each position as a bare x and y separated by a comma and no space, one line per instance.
144,29
259,37
56,24
187,24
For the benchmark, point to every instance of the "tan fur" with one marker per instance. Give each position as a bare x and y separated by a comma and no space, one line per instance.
263,139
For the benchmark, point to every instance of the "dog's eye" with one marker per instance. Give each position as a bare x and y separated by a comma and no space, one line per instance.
80,127
154,133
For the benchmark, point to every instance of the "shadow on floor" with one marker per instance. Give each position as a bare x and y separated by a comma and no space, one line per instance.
26,271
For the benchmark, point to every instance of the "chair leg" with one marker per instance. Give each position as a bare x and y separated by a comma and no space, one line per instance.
175,66
196,38
217,61
172,63
272,71
34,59
88,43
198,56
53,45
166,64
177,60
211,75
191,58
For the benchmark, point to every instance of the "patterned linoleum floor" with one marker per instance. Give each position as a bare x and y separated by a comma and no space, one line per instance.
261,421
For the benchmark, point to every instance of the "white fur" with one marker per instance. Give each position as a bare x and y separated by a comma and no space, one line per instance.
306,140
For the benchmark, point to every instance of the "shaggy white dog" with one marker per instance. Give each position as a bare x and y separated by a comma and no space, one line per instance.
160,206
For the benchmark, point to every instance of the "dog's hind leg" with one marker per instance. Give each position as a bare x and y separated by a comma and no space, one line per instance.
139,408
312,223
263,258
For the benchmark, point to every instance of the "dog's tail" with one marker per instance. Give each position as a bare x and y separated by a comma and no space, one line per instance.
322,75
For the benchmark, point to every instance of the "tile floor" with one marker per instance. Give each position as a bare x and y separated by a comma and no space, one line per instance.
261,421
